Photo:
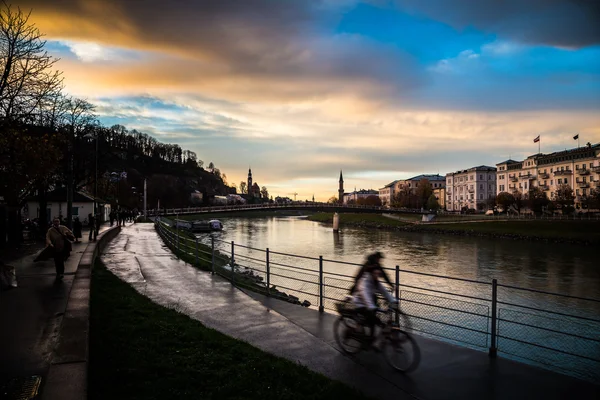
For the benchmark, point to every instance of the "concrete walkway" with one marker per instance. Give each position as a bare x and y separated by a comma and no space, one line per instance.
139,257
31,314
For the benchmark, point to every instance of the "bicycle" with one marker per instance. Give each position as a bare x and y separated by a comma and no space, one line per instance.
399,347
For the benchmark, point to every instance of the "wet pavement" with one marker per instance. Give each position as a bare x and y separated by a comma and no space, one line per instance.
139,257
31,314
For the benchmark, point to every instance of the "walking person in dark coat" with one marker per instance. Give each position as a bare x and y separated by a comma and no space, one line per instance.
58,237
92,226
97,226
77,225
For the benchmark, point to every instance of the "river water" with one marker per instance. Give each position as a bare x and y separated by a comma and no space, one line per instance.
523,332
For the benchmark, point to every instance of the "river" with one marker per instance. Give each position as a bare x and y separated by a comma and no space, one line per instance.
454,310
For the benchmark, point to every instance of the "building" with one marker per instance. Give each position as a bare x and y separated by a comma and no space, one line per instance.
578,168
436,181
472,188
341,189
440,195
253,188
359,194
386,193
82,206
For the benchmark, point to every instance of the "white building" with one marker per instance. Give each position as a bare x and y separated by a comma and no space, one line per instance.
470,188
436,180
386,193
82,206
578,168
359,194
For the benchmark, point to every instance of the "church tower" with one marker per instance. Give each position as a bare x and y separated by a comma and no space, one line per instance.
341,189
249,187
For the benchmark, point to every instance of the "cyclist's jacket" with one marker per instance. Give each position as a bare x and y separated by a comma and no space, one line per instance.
366,290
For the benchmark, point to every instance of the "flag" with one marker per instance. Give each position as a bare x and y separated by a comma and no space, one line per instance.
537,139
576,137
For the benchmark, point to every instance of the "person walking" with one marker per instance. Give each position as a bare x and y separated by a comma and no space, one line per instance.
58,237
97,226
77,226
92,226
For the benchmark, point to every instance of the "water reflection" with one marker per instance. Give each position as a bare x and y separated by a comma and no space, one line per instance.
566,269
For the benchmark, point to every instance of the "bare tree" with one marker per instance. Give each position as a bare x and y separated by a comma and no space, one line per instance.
79,114
27,77
243,188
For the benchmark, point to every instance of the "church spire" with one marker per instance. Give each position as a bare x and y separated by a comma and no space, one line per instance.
341,189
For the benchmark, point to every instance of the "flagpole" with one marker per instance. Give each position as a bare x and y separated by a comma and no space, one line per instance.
540,145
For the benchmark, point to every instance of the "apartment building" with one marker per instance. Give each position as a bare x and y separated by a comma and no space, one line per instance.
359,194
579,168
471,188
387,193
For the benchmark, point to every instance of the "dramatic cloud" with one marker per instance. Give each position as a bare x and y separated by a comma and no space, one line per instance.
565,23
301,89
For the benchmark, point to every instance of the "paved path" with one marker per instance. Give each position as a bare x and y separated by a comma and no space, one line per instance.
139,257
31,314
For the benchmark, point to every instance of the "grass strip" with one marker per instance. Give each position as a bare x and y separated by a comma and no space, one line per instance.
359,220
141,350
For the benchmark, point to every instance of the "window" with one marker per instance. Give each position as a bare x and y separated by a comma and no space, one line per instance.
480,196
481,186
75,211
481,177
552,181
525,186
565,181
489,187
471,177
560,181
577,192
472,196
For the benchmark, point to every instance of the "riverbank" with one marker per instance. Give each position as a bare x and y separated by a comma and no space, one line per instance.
241,214
575,231
140,350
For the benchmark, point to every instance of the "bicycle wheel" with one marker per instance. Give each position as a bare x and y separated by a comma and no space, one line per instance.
401,351
405,323
348,334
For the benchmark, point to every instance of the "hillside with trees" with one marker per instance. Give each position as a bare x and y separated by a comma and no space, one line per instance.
50,140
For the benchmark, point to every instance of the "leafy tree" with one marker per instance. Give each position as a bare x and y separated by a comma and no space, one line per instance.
333,200
423,192
564,198
369,201
537,199
505,200
519,201
594,199
432,203
264,192
243,188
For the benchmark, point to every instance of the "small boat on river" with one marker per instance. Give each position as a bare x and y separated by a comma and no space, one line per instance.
206,226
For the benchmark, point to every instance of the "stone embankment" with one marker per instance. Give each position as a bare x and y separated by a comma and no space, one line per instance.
257,282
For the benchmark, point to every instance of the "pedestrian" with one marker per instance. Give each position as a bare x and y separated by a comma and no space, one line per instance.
97,227
58,237
111,216
92,226
77,229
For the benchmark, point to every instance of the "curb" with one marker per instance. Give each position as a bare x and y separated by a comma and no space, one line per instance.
68,372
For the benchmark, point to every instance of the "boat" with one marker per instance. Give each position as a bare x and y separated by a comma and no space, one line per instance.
206,226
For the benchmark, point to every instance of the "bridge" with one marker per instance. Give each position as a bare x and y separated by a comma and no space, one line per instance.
295,206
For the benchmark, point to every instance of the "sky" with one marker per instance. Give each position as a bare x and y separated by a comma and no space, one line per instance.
299,90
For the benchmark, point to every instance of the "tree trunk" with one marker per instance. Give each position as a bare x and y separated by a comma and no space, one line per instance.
15,233
43,217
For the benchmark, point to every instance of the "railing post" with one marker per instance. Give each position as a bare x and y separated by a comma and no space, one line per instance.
212,242
493,349
197,262
232,263
177,230
398,293
268,275
321,306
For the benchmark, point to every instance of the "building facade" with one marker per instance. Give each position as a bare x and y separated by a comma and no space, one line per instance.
386,193
578,168
436,180
359,194
472,188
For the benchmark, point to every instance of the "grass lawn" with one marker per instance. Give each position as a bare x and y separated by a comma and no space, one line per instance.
359,219
140,350
241,214
585,231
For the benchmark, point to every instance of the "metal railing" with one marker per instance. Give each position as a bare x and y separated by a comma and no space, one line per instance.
277,206
501,319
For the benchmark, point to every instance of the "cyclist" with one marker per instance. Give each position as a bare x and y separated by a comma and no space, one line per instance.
372,260
365,296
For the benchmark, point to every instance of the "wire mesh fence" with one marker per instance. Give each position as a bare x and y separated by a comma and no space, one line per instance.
546,331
